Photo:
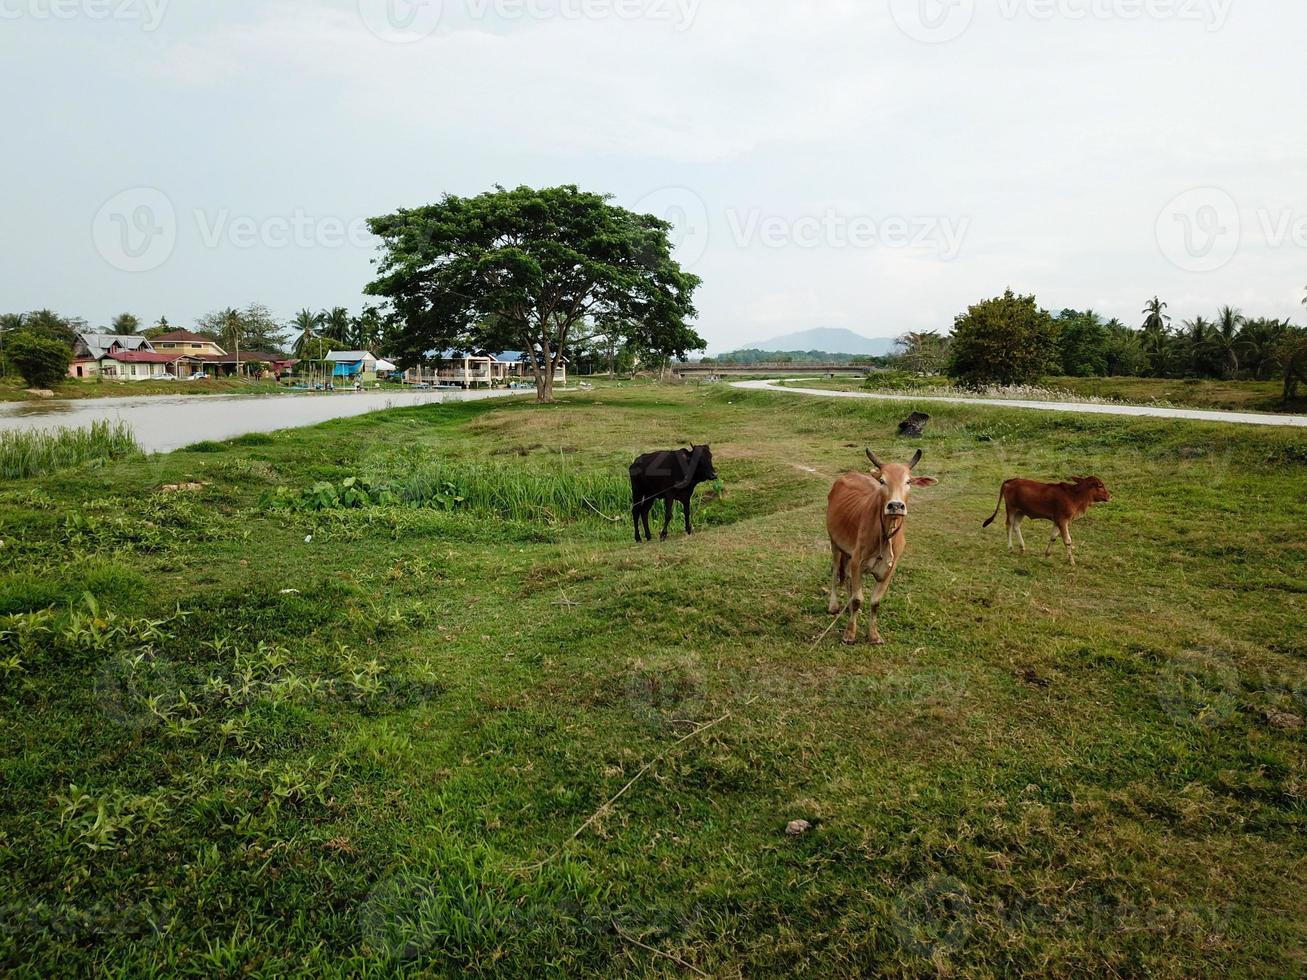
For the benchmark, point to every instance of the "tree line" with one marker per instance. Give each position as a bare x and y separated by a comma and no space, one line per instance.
752,355
1011,340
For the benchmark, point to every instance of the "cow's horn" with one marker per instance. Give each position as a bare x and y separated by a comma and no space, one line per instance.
875,462
915,460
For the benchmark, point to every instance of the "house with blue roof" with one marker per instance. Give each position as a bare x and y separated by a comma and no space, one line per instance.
352,364
518,365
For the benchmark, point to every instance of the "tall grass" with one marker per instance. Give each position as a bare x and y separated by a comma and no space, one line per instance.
515,492
24,454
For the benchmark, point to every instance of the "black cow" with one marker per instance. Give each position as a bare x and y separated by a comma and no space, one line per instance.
668,476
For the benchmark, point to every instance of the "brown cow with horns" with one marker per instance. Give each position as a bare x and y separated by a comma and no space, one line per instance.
865,516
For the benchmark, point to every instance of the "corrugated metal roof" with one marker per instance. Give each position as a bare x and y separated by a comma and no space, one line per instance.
99,343
349,355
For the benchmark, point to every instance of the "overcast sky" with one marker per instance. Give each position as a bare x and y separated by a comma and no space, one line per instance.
870,164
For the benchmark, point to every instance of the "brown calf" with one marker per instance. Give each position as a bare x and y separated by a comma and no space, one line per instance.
1060,503
865,517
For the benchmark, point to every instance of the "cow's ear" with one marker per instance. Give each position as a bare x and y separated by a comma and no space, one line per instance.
923,481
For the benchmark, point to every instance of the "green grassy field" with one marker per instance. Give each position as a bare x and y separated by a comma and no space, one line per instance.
1235,396
244,735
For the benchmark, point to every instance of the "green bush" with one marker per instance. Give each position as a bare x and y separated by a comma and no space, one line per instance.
42,362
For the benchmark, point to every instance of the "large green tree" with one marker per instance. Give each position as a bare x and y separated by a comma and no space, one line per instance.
1006,340
1125,353
1082,344
525,269
125,323
252,329
42,361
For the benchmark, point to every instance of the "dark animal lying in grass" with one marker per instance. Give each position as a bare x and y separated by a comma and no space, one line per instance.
1060,503
865,516
668,476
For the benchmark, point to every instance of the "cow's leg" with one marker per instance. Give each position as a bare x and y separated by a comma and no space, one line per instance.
635,519
1065,528
668,504
1057,532
855,600
644,516
873,633
837,561
1016,526
1011,527
685,506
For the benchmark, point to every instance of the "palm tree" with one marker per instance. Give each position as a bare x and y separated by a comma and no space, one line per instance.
1196,342
335,324
1225,339
125,323
1155,338
1258,341
305,322
1155,319
232,326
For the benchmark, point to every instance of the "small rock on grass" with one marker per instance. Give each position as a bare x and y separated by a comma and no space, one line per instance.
796,828
1283,719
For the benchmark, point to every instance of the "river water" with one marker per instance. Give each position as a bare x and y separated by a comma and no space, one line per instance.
166,422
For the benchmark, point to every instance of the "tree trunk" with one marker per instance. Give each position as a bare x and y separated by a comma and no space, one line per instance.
544,387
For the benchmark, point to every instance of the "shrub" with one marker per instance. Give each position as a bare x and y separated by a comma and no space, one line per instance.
42,362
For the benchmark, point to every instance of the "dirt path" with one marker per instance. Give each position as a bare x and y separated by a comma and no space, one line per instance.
1087,408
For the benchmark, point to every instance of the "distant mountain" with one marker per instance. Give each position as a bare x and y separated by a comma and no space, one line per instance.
833,340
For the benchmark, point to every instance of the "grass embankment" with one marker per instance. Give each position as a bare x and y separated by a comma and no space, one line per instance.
346,741
1236,396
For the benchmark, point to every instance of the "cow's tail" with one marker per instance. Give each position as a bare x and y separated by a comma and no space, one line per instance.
994,516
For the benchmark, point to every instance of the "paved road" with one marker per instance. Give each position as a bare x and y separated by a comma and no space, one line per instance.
1084,408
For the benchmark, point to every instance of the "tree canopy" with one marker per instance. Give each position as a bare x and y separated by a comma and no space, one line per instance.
42,361
1007,340
523,269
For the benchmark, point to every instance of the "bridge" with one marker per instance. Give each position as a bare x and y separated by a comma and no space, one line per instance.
702,370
